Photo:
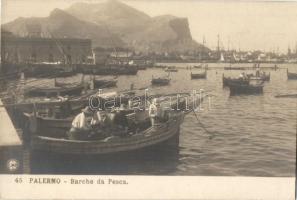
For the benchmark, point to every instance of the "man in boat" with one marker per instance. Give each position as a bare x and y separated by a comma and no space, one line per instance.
154,112
121,121
84,124
258,72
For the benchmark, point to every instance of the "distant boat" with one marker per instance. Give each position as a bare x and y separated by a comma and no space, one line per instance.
103,83
59,89
239,88
199,75
235,68
291,76
198,66
262,76
286,96
228,81
171,69
55,91
160,81
108,69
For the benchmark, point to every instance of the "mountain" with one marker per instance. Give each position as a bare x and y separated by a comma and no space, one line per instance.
113,24
137,29
61,24
119,17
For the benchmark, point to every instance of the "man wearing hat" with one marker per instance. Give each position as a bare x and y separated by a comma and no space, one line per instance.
81,126
154,111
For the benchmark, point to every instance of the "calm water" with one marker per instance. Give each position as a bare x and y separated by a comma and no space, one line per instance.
248,135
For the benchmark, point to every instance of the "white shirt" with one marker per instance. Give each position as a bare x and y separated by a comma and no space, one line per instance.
81,121
153,110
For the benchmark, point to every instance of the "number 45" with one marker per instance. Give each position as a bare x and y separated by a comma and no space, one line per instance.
18,180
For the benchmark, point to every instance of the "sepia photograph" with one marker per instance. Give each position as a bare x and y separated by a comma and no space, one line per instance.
152,88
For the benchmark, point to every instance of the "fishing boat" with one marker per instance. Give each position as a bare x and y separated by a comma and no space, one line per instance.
65,72
286,96
228,80
103,83
235,68
291,76
198,75
239,88
108,69
171,69
58,90
262,76
197,66
50,135
160,80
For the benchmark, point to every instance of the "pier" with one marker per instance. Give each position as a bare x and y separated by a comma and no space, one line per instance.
11,145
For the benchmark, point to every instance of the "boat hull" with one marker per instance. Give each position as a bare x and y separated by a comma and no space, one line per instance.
230,81
236,89
105,83
167,132
198,76
160,82
59,91
292,76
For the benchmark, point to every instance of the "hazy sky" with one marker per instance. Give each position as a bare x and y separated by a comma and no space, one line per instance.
246,24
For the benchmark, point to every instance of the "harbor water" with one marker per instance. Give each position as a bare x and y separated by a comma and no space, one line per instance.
245,135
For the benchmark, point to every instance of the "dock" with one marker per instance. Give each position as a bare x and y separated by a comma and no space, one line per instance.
11,145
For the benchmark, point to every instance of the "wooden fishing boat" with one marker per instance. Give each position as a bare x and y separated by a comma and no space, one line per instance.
50,135
146,138
261,77
65,73
171,69
160,81
235,68
227,81
55,91
198,75
238,88
108,69
198,66
291,76
286,96
103,83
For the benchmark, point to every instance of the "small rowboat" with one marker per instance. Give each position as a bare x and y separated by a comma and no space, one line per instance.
160,81
101,83
171,69
291,76
262,77
227,81
65,73
235,68
286,96
236,89
55,91
198,75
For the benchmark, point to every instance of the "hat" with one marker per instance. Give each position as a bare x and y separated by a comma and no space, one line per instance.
87,110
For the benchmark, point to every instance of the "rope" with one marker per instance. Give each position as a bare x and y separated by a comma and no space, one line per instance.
212,133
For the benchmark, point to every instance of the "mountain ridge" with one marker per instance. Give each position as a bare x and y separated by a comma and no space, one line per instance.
114,24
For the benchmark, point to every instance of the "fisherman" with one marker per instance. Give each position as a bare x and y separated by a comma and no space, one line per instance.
241,75
120,120
153,112
82,127
257,72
